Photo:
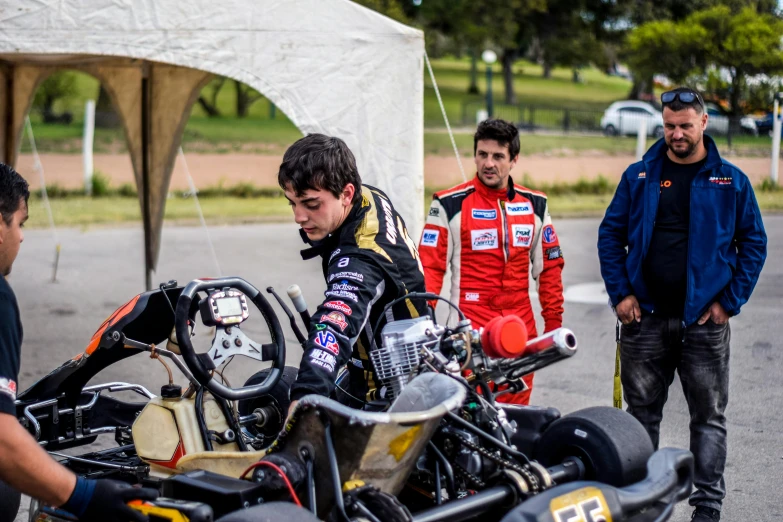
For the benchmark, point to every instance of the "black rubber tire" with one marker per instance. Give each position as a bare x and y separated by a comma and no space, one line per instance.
658,132
271,512
611,130
277,396
611,443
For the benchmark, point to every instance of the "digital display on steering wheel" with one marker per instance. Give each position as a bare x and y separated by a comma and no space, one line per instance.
229,307
224,307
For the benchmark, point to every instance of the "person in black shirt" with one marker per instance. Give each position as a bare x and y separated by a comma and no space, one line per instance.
666,263
681,248
24,465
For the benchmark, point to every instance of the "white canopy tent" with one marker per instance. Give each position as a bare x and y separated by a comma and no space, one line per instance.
332,66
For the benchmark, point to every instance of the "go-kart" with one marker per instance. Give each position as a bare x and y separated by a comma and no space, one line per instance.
435,446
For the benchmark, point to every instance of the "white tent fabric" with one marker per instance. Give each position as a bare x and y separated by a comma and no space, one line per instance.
331,65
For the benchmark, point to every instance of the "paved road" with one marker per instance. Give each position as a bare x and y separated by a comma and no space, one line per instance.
102,268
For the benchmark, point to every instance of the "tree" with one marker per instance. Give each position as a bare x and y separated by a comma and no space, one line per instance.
714,42
246,96
106,116
516,38
58,86
475,25
746,43
565,35
392,8
212,90
666,47
456,21
640,12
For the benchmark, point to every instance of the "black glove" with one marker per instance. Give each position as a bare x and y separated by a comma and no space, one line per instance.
106,500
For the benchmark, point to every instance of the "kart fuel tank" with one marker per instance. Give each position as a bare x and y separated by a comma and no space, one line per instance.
167,429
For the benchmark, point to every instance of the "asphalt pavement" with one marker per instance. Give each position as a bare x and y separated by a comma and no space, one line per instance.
101,268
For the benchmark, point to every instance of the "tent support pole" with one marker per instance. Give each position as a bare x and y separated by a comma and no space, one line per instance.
145,178
9,145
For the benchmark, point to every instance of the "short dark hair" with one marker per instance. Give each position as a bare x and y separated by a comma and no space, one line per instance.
678,105
503,132
13,188
319,162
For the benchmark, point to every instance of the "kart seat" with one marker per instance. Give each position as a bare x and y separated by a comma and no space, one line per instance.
371,447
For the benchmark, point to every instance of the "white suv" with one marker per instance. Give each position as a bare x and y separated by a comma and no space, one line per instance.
624,117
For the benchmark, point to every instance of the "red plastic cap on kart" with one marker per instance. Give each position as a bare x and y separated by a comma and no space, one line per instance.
504,337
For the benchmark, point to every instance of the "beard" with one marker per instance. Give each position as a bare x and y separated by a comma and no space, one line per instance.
687,151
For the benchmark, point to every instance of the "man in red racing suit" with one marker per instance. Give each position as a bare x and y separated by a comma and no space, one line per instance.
493,235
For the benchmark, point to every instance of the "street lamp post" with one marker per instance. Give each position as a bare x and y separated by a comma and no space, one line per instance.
489,57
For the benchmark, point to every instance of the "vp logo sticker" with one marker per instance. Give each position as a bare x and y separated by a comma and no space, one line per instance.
327,341
549,234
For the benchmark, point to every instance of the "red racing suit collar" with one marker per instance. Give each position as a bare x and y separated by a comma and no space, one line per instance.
505,194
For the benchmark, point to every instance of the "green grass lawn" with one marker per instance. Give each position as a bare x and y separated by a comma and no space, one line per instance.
452,75
228,132
260,134
84,212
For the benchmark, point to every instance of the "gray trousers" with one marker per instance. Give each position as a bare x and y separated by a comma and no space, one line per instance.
650,353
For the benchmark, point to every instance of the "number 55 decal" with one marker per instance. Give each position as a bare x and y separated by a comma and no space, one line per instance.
583,505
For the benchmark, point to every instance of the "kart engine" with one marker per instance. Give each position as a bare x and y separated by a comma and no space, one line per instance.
399,357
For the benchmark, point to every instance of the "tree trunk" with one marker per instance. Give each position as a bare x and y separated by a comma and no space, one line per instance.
508,75
473,88
734,98
547,72
210,105
47,108
640,87
210,109
245,98
105,115
242,104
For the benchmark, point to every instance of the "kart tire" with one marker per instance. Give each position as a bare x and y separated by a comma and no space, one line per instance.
611,443
277,396
271,512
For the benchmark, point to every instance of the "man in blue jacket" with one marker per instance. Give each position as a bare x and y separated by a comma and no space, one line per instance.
681,248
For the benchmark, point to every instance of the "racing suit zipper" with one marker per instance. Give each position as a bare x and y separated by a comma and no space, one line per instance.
503,221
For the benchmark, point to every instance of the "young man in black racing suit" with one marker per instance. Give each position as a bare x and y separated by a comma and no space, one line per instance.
24,465
368,261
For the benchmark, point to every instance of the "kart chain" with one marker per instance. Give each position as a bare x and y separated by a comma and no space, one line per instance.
530,477
468,476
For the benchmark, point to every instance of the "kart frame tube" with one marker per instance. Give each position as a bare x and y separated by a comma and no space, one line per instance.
463,509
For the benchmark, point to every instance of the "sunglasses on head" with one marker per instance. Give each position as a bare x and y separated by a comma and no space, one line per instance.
683,96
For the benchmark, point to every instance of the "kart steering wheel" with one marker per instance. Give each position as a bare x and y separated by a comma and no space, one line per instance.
201,364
